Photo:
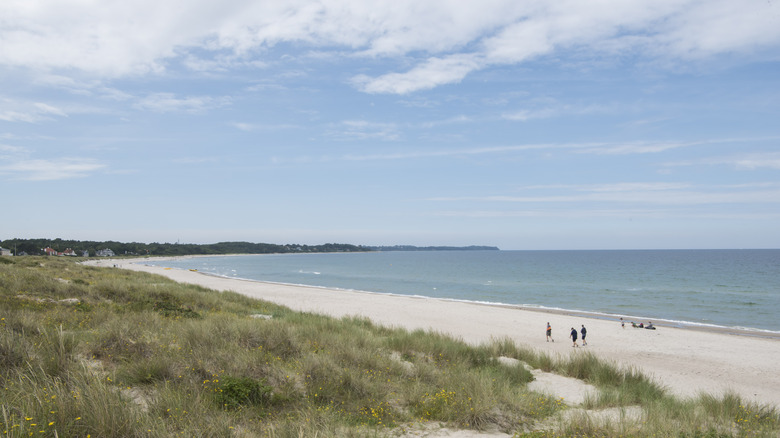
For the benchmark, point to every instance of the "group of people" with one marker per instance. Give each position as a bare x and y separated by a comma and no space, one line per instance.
583,332
573,335
649,325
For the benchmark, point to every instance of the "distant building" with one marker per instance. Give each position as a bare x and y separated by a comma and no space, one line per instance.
50,251
85,253
104,253
5,252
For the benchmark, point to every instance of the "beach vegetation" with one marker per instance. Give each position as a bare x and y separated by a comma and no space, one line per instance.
88,351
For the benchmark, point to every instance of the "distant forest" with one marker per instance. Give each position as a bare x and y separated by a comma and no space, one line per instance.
79,247
36,247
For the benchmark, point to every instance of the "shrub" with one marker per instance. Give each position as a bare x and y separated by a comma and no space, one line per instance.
168,308
234,392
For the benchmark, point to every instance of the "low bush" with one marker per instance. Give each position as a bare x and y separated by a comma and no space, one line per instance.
234,392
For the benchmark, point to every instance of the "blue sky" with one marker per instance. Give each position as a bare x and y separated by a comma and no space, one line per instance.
520,124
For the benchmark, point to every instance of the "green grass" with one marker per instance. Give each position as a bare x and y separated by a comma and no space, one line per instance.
98,352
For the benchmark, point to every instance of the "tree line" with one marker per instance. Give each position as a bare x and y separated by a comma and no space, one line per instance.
37,246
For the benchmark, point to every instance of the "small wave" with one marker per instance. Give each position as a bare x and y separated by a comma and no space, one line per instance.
309,272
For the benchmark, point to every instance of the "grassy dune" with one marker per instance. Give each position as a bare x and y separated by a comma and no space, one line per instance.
99,352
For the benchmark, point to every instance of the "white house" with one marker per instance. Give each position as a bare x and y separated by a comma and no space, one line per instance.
5,252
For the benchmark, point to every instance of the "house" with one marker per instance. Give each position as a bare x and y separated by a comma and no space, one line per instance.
68,252
5,252
104,253
50,251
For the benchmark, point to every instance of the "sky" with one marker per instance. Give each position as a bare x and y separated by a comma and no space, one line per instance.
522,124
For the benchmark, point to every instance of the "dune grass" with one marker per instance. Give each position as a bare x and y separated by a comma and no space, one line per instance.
88,351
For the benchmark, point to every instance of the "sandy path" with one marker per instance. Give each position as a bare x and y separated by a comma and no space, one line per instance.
686,361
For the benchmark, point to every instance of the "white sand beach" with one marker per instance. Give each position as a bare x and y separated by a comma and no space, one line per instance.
687,361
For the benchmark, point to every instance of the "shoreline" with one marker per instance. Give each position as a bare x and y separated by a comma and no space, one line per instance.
687,361
658,322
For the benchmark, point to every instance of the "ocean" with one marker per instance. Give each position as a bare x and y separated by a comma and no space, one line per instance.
719,288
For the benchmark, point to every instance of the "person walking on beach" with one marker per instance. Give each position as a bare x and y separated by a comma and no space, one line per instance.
622,324
584,332
573,337
549,333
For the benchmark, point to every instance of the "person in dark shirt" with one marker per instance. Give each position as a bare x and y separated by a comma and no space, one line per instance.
584,332
573,336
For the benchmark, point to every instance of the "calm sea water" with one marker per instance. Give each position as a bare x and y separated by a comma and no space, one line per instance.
731,288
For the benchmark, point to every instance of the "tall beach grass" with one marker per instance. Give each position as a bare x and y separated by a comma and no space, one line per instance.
96,352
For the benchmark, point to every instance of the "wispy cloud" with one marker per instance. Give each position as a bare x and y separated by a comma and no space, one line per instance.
456,120
90,88
670,194
55,169
8,152
650,147
621,213
168,102
595,148
197,160
748,161
770,160
445,41
660,30
364,130
550,108
430,74
28,112
251,127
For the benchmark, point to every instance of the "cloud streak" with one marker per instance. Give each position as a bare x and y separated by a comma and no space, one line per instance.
28,112
51,170
752,161
168,102
747,161
669,194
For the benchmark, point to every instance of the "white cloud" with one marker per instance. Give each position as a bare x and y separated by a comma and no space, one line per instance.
8,152
677,28
29,112
456,120
364,130
636,147
621,213
250,127
82,88
769,160
546,108
669,194
748,161
445,39
631,187
434,72
168,102
524,115
698,30
48,170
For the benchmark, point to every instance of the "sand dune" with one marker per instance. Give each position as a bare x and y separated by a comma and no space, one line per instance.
687,361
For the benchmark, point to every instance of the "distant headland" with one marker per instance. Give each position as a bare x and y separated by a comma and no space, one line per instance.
433,248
